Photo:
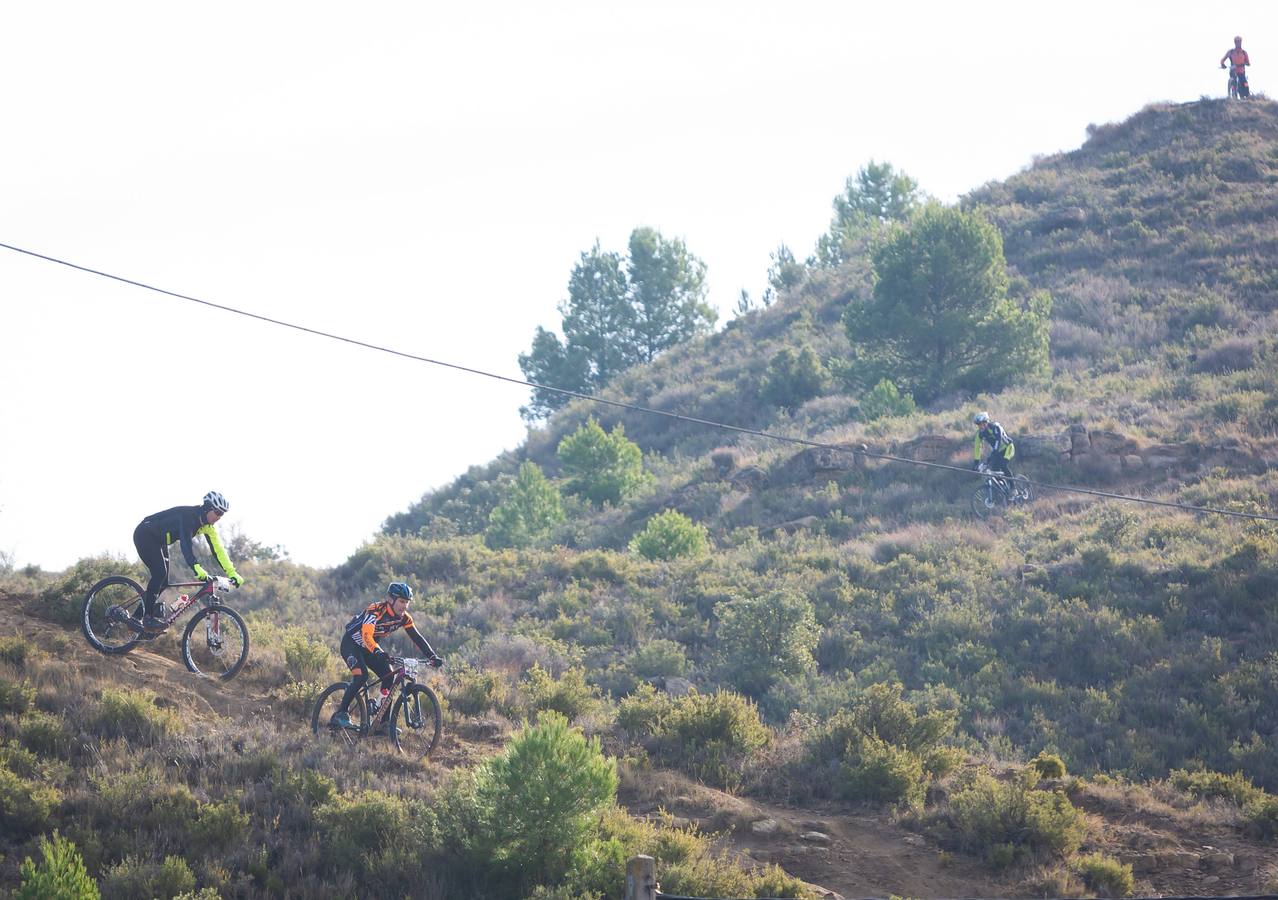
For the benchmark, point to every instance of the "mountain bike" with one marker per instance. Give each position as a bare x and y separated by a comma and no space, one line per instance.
1237,84
997,493
412,720
215,643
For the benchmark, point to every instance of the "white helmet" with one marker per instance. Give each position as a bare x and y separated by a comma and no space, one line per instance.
980,418
214,500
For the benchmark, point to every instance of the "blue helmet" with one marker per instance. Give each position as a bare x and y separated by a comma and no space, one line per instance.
399,590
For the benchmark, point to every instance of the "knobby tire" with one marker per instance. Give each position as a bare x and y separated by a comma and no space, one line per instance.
101,633
416,722
202,659
327,704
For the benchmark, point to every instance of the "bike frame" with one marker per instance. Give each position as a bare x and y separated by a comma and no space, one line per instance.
208,594
401,679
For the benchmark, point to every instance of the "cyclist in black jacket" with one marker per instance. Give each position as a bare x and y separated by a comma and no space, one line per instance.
157,531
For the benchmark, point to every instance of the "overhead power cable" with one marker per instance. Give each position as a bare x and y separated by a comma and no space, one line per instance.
863,451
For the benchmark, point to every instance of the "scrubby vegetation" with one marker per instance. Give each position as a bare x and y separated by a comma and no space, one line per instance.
632,594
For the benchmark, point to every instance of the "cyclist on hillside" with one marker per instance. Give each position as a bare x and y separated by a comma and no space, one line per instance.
1001,447
1238,62
158,531
361,651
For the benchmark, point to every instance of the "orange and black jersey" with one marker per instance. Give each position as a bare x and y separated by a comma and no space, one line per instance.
379,620
1238,58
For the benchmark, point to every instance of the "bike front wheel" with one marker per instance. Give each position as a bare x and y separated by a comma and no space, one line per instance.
215,643
983,503
328,704
416,722
106,607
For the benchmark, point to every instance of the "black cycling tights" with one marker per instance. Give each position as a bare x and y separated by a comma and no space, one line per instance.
357,658
155,556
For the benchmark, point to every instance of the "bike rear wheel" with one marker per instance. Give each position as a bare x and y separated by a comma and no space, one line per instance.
106,606
215,643
327,704
1022,489
416,722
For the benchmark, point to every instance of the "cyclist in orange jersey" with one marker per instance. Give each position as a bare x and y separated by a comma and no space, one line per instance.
1238,62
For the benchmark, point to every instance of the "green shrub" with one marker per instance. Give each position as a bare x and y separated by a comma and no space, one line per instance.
47,734
603,468
352,829
541,799
761,639
569,694
1205,784
16,697
1048,765
528,514
61,876
658,658
131,878
875,771
25,805
298,697
219,825
884,401
670,535
642,713
475,691
1105,875
1002,820
793,378
15,650
63,600
307,659
710,736
131,715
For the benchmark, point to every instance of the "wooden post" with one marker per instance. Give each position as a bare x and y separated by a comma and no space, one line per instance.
641,878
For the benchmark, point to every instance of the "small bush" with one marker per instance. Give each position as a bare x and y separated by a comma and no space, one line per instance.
670,535
1105,875
478,690
15,650
46,734
63,600
602,468
878,772
133,716
298,697
793,378
131,878
643,712
61,876
1048,765
307,659
219,825
569,694
1205,784
541,799
25,805
710,736
1003,820
354,829
884,401
16,697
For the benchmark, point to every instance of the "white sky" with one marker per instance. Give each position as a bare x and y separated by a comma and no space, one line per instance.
425,176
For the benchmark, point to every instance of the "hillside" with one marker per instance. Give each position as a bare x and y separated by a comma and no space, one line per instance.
849,677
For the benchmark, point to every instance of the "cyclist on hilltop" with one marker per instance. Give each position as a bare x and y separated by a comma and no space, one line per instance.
158,531
361,651
1238,62
1001,447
